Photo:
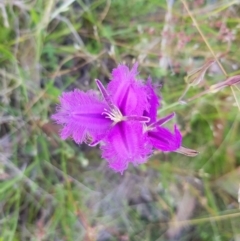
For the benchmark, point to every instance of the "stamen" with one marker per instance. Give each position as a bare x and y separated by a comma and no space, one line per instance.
143,119
114,114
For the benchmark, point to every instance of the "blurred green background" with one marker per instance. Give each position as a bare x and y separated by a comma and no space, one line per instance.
56,190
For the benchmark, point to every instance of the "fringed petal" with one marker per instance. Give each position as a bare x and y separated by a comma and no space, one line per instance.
162,139
125,143
81,116
128,94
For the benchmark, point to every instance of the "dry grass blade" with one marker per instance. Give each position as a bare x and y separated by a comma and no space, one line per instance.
228,82
185,210
231,81
209,47
196,76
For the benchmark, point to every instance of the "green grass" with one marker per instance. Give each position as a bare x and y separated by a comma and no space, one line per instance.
56,190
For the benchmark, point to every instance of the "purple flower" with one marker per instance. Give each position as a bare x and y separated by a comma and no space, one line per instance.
124,121
116,120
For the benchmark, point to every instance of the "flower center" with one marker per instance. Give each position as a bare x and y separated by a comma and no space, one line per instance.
114,114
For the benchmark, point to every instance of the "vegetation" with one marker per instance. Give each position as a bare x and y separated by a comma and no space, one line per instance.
56,190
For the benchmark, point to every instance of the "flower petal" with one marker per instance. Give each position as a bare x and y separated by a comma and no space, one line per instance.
125,143
128,94
162,139
162,121
153,102
81,115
